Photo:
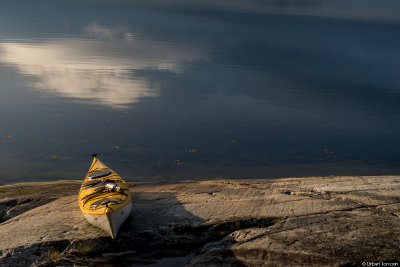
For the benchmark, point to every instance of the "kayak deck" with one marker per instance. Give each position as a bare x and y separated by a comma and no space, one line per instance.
103,192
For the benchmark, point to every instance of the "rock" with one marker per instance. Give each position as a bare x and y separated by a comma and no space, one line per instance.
315,221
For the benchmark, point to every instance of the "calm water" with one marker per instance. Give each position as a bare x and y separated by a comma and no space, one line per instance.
184,89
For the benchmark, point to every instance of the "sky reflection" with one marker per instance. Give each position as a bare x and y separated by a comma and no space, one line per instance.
95,70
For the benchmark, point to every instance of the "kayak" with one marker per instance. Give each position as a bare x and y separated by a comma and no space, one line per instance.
104,198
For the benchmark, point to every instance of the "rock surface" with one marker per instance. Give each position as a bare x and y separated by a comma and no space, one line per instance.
315,221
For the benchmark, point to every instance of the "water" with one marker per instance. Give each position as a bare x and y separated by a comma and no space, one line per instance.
174,90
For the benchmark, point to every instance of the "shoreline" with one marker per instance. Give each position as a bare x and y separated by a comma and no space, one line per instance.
39,183
205,179
292,221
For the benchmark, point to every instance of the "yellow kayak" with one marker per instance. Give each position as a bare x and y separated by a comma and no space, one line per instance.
104,198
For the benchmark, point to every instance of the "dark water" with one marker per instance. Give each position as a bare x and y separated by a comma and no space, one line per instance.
172,90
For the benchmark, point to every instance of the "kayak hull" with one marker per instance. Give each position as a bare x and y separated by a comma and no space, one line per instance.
111,222
104,198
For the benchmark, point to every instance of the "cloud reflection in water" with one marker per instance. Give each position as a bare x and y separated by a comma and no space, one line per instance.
97,70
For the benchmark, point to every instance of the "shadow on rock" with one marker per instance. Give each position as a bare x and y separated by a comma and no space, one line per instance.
159,232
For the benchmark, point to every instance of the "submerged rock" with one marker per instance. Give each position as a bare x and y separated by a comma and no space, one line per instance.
315,221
